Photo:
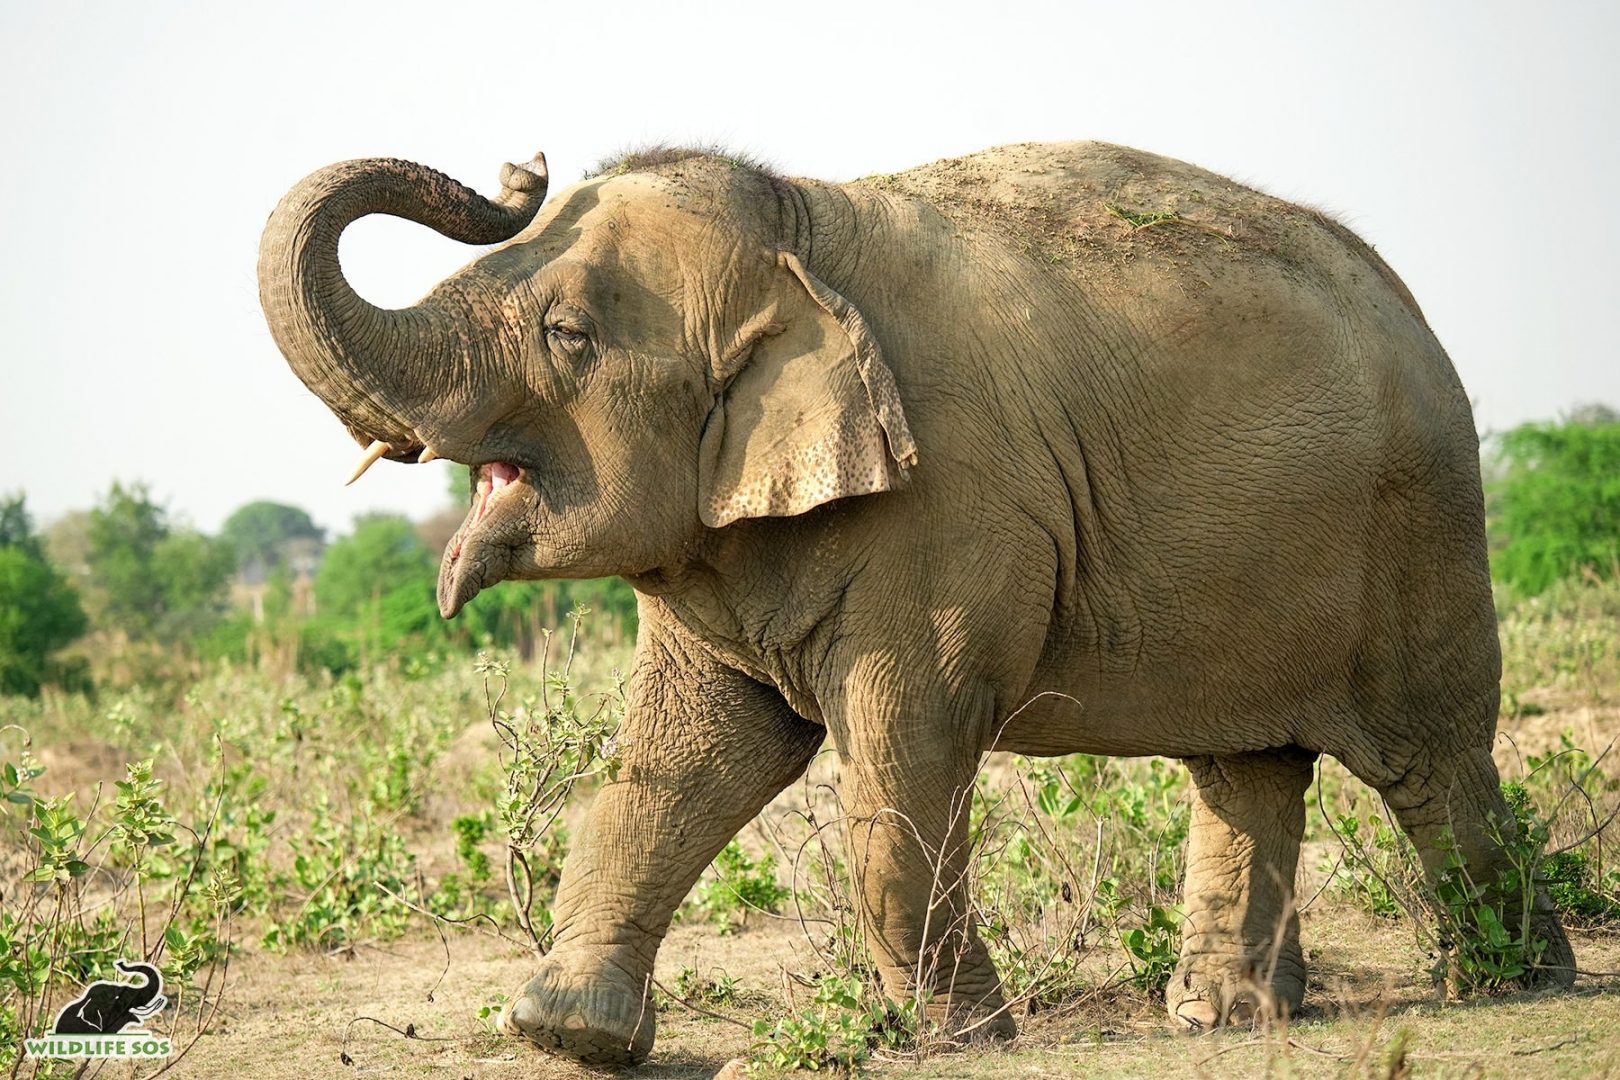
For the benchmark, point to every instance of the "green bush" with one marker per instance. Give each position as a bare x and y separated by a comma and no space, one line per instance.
840,1031
1486,932
39,610
1554,502
740,885
154,581
383,555
350,872
323,646
56,936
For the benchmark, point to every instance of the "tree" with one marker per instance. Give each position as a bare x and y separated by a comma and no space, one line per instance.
382,554
261,532
193,572
17,528
155,582
1555,501
67,544
124,533
39,611
377,586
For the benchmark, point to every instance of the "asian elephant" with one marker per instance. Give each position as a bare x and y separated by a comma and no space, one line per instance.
1050,449
106,1008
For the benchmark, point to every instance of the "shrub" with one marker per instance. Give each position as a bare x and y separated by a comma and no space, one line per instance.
1555,502
839,1031
351,873
740,885
39,610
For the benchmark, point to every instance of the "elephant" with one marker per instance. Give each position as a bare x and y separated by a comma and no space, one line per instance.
106,1008
1051,448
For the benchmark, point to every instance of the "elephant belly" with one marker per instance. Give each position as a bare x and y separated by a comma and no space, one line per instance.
1099,716
1243,679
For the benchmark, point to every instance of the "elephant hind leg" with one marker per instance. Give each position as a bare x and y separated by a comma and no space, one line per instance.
1455,804
1240,944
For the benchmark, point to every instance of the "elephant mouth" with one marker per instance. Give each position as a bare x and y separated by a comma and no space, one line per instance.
476,556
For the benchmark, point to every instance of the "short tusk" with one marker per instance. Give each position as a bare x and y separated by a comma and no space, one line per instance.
426,456
376,450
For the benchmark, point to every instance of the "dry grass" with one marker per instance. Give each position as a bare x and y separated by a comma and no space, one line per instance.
1050,836
290,1017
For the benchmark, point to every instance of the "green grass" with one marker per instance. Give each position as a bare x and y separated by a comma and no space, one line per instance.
1142,219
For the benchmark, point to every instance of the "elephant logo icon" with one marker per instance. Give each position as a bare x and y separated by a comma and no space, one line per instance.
96,1024
107,1020
107,1008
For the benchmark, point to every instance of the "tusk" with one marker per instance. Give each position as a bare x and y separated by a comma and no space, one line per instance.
426,456
376,450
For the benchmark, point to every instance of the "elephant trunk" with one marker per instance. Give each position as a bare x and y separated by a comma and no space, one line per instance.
372,366
154,981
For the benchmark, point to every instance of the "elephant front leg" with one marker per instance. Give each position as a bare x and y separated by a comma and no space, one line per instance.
704,749
1240,946
907,812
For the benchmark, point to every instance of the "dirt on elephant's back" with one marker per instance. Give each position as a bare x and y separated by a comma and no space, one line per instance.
1094,207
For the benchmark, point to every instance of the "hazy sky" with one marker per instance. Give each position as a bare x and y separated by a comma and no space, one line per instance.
1477,145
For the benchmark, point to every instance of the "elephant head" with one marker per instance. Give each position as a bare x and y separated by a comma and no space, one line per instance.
637,362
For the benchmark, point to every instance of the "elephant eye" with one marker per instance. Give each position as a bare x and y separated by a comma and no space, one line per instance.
566,336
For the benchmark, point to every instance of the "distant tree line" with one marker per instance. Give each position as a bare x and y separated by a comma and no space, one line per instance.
269,583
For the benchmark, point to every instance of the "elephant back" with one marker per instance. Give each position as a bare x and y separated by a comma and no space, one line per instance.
1117,216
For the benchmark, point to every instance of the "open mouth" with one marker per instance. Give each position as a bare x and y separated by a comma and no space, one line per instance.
474,557
493,479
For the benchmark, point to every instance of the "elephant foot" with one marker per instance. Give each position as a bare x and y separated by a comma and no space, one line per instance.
586,1008
1556,967
1214,989
982,1021
1554,970
961,1015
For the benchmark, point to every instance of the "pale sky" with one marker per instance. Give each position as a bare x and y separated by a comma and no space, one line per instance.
1477,145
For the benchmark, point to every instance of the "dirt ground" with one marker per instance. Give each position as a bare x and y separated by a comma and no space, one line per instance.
299,1016
410,1008
1370,1006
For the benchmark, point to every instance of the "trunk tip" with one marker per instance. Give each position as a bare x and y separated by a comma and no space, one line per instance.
527,177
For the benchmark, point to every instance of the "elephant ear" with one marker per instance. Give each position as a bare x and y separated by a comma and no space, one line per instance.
809,413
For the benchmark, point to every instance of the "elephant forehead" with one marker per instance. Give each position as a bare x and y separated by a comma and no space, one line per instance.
629,204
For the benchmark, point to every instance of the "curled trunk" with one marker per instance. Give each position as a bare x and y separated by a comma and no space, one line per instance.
373,366
154,981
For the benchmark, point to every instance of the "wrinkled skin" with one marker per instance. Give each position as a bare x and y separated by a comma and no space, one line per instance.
891,461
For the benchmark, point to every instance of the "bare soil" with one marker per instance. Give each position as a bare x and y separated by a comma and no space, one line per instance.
410,1007
299,1016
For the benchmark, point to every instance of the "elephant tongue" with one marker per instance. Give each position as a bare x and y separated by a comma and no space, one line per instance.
501,474
453,589
491,479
